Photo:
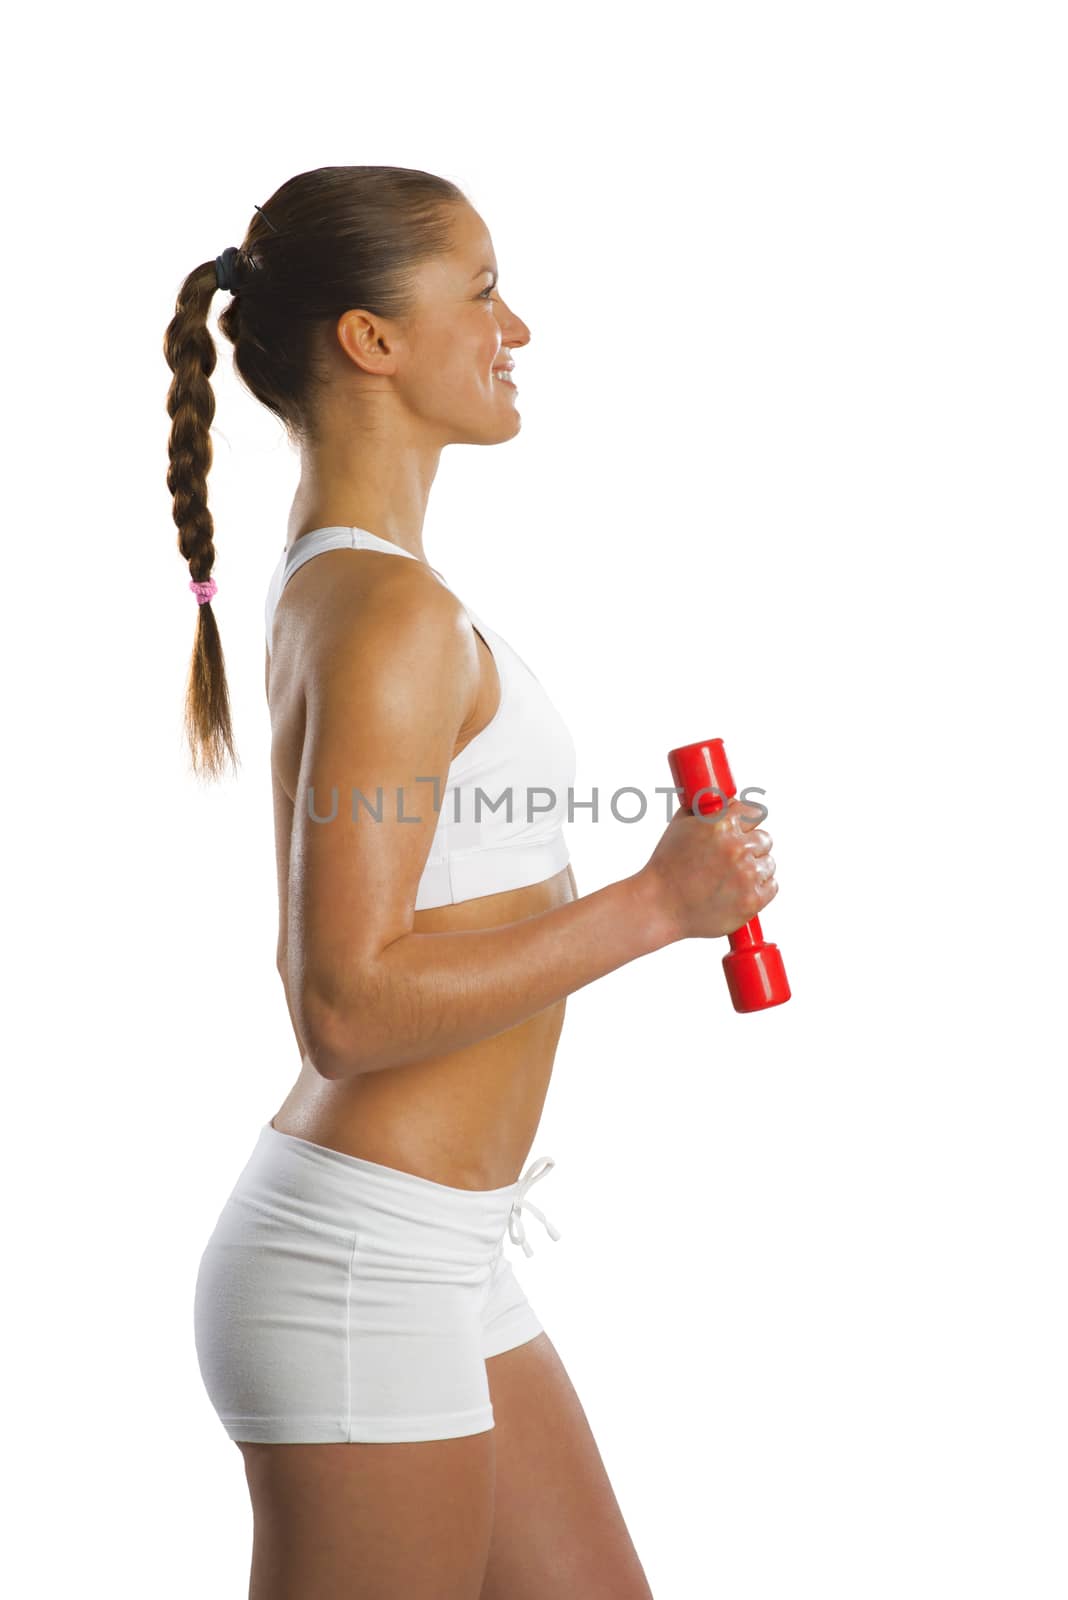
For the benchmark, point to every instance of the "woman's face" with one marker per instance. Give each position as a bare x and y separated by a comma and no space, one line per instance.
444,354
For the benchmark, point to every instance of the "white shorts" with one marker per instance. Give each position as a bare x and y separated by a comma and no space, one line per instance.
340,1300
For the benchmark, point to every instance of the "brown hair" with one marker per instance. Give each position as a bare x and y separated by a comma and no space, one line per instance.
326,241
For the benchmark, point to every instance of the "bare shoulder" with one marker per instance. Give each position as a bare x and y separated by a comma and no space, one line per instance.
362,634
340,602
338,585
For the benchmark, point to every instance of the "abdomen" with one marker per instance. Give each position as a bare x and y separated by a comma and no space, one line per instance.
466,1118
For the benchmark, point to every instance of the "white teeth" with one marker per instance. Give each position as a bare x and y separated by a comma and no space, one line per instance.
504,377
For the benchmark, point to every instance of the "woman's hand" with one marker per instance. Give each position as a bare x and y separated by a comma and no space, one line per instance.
713,873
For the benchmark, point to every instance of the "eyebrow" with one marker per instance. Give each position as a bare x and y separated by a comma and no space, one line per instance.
481,270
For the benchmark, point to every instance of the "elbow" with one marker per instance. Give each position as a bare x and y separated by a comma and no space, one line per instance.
343,1013
329,1045
337,1041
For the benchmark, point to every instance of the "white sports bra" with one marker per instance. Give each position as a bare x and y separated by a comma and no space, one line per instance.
506,794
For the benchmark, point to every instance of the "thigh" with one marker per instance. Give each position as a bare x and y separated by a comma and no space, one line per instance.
371,1521
557,1526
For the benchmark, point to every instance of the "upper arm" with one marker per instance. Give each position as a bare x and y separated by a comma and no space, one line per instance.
388,674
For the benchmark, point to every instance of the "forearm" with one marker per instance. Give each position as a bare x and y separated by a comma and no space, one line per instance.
429,993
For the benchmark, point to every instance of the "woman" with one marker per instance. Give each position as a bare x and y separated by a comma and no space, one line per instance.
406,1424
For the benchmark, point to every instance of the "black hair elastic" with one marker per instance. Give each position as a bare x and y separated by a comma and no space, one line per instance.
224,264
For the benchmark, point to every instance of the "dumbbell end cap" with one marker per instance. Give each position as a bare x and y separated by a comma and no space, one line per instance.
756,978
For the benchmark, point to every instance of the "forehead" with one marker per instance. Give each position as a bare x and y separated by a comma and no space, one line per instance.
456,273
472,245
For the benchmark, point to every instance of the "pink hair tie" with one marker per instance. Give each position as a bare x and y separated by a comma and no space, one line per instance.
205,590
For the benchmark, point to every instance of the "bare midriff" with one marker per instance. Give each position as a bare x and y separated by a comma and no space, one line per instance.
467,1118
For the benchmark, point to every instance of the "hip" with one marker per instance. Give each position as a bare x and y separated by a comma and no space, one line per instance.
337,1299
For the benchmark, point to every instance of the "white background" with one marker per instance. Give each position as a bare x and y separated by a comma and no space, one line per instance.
791,473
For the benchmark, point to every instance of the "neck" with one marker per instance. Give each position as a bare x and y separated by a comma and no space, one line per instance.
384,492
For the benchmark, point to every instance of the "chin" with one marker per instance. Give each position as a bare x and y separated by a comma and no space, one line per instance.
499,434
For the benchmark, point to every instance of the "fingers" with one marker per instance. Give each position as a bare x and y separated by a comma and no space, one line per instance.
748,814
758,843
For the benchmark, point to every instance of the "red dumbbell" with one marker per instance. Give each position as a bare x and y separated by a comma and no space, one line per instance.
756,976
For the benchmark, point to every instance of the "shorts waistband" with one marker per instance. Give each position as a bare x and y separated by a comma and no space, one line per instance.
328,1186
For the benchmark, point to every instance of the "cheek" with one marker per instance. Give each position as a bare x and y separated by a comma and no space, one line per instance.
458,358
470,359
445,367
489,340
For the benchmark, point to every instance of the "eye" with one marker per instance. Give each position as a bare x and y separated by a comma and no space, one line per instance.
488,290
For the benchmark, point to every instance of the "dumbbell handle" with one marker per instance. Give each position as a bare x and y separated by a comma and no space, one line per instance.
754,970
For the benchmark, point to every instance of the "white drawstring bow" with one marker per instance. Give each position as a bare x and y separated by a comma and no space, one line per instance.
516,1231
